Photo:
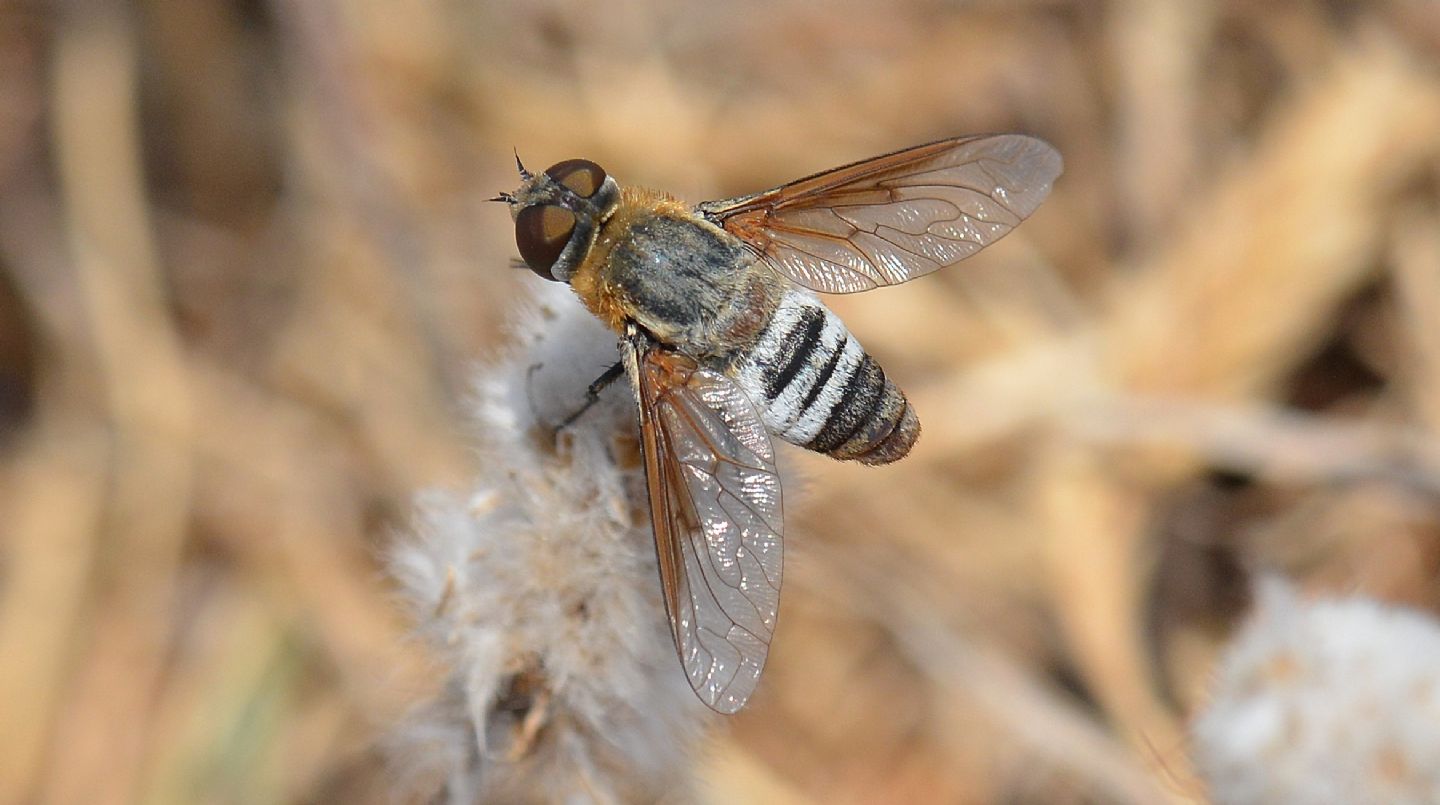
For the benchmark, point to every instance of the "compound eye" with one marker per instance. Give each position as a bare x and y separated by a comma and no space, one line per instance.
581,176
541,232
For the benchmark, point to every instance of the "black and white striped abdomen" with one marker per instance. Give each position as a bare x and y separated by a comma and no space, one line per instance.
816,386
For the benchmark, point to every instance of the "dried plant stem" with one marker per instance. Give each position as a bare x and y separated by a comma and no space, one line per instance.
146,460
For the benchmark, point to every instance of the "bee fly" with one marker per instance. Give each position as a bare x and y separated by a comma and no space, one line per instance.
725,343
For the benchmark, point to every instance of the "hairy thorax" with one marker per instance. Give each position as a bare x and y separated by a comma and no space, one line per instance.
689,283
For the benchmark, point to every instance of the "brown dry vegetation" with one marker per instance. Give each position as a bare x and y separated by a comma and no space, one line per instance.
244,266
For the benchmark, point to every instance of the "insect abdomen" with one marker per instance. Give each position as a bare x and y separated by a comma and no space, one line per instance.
817,387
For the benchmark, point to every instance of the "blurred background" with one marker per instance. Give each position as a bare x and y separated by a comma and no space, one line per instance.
246,268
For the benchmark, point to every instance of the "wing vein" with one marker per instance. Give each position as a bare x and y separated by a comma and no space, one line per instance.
1004,177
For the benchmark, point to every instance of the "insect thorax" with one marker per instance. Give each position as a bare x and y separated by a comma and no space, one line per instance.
693,286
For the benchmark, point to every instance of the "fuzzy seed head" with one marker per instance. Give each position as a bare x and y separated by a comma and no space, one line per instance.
1324,701
538,589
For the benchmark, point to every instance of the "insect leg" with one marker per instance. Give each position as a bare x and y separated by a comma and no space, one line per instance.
592,393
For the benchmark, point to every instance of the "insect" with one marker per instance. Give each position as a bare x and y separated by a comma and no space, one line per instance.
725,343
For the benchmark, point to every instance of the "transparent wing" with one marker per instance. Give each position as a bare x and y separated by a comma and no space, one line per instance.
715,507
895,217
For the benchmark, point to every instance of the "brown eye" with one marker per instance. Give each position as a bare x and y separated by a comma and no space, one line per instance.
541,232
581,176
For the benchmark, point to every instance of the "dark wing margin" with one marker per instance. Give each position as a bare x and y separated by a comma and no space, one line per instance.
715,506
889,219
